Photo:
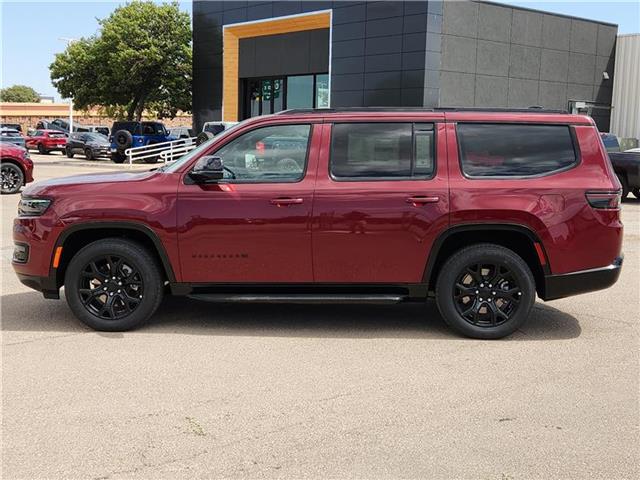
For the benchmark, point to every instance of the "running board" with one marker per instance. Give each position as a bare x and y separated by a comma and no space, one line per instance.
299,298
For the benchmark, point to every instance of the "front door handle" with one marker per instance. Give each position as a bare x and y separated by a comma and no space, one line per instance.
285,201
421,200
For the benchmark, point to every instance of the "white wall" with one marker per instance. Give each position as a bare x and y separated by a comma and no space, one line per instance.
625,112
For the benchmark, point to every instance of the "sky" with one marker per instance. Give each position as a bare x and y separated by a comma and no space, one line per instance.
31,31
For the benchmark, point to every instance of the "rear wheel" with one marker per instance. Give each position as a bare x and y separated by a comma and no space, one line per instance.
118,157
625,186
636,192
485,291
113,285
12,178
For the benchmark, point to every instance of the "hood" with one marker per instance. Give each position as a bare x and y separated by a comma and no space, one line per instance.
48,187
99,143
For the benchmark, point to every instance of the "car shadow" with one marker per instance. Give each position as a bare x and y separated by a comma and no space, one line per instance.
30,312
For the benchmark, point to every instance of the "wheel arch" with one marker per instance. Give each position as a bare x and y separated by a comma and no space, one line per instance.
518,238
16,163
77,236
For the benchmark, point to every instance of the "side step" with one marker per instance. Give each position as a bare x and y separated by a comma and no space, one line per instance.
298,298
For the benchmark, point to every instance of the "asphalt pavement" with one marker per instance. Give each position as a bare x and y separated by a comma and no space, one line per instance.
329,391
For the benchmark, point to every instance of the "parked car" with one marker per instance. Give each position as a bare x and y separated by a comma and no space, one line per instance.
61,125
46,141
92,145
101,129
9,135
211,129
16,168
627,168
12,126
181,132
136,134
381,206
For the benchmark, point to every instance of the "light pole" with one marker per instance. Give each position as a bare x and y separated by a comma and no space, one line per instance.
69,42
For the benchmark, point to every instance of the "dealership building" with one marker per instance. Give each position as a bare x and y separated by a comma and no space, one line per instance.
254,58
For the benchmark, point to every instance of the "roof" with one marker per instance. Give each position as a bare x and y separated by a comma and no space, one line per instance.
320,111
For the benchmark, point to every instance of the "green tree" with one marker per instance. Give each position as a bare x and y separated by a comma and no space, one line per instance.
19,93
140,60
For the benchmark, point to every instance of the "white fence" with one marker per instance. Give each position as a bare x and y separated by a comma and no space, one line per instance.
166,151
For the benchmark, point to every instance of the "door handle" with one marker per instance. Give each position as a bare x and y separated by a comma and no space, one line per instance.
421,200
285,201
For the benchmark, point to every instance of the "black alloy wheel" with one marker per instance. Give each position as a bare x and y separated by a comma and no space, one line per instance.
486,294
113,284
88,154
11,177
485,291
42,150
111,287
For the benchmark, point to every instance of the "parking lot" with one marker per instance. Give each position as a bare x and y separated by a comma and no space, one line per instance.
318,391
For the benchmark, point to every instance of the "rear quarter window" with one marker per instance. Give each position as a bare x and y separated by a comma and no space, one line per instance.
494,150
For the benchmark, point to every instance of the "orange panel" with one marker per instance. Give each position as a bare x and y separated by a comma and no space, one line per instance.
231,51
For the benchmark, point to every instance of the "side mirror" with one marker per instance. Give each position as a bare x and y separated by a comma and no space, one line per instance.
208,169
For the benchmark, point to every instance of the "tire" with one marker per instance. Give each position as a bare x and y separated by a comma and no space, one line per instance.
123,139
42,150
625,186
203,137
636,192
69,152
88,154
92,269
118,157
11,177
513,297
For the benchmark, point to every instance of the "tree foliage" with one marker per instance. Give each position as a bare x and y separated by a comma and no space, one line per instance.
19,93
140,60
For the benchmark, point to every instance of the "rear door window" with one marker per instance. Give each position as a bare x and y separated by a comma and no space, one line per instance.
378,151
501,150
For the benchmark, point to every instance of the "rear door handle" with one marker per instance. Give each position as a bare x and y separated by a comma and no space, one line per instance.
285,201
421,200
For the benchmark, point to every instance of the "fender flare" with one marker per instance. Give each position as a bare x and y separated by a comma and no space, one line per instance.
513,227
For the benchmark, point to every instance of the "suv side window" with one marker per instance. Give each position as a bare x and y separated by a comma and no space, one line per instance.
381,150
495,150
269,154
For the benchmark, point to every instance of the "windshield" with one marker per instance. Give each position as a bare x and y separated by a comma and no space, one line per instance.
175,165
96,137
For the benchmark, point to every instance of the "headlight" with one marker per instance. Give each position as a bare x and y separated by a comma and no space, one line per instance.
33,207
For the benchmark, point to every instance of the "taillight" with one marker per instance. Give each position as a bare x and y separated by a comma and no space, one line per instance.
604,200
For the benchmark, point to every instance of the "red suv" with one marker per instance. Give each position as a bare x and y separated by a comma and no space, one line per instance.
46,141
481,209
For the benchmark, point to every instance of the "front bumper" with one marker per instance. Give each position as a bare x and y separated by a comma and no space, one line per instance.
574,283
46,285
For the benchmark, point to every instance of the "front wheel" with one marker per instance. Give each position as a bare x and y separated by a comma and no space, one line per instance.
12,178
88,154
485,291
42,150
636,192
118,157
113,285
69,152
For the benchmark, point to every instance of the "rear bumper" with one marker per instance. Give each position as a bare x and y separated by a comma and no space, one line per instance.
574,283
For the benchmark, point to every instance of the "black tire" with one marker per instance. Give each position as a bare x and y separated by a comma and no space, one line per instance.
130,298
625,186
203,137
123,139
636,192
118,157
69,152
513,297
42,150
88,154
11,177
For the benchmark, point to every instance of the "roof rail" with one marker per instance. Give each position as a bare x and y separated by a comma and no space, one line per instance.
532,109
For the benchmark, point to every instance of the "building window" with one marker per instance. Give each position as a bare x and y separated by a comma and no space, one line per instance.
300,91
